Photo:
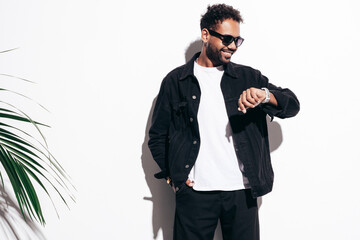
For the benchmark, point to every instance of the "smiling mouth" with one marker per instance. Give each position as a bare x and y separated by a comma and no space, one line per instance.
227,54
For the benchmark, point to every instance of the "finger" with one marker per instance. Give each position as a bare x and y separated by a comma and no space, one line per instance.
261,94
244,100
255,96
241,105
189,183
250,98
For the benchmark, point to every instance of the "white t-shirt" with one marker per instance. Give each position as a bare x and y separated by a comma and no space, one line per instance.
216,167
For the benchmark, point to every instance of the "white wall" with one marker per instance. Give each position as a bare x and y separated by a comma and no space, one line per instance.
98,67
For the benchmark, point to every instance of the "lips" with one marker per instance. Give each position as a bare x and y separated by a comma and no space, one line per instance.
227,53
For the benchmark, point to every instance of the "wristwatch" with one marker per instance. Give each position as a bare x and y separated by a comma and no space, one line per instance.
267,98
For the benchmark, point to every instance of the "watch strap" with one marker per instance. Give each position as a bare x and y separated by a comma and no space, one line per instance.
267,98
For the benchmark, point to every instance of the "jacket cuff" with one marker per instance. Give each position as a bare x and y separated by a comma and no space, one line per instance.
160,175
276,110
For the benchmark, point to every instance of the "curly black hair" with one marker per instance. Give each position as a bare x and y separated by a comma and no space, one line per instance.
217,13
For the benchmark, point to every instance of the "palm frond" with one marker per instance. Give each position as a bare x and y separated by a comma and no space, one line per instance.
8,50
26,159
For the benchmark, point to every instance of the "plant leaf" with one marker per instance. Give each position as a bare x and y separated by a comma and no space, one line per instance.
25,158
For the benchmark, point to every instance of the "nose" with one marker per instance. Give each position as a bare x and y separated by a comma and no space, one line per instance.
232,46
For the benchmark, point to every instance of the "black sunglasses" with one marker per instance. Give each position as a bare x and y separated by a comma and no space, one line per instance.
227,39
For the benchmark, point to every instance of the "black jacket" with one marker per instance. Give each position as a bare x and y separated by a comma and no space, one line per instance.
174,134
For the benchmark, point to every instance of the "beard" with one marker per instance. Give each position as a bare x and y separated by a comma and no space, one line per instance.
215,55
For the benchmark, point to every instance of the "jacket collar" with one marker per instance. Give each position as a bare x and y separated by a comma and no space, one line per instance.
189,68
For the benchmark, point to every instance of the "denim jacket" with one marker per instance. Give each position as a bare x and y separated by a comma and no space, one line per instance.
174,134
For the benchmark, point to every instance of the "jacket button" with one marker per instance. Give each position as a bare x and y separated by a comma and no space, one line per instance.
177,189
187,166
193,97
191,119
195,142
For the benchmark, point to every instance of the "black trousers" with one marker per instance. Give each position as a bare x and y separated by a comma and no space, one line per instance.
198,212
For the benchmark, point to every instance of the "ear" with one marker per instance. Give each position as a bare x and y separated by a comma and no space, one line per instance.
205,35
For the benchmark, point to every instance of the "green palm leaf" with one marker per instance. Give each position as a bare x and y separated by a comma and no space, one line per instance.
27,160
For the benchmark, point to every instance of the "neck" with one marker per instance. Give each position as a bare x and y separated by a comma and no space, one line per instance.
204,60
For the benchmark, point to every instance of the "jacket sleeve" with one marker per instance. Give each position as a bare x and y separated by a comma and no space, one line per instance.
288,104
158,133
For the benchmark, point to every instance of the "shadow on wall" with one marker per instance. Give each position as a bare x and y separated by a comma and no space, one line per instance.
13,225
163,198
193,48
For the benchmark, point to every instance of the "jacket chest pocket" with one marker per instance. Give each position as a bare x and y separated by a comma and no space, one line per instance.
180,115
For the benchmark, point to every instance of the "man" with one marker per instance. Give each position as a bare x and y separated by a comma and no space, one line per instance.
209,134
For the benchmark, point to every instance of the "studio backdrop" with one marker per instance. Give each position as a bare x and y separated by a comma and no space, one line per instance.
98,66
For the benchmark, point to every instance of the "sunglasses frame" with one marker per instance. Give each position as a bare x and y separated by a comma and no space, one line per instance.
238,39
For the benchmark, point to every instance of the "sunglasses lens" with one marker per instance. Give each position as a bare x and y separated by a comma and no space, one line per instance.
228,39
238,41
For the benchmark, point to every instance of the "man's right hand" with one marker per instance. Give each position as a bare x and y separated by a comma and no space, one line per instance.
189,183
